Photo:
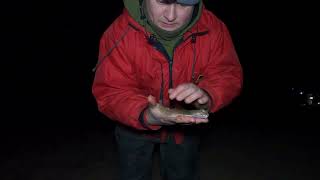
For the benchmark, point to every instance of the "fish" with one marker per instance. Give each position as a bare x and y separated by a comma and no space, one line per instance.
174,112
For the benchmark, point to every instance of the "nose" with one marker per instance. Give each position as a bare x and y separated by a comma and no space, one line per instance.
171,12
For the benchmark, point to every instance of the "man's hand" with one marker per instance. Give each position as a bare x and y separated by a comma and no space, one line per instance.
157,117
190,93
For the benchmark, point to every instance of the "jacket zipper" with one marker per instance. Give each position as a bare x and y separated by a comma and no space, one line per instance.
162,50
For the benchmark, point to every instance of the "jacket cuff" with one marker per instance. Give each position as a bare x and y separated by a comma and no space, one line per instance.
144,122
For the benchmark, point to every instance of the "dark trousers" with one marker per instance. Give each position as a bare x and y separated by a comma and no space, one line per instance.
177,161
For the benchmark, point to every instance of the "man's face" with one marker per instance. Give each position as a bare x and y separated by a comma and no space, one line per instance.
168,16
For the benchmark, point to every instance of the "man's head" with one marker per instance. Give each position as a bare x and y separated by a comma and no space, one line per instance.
170,15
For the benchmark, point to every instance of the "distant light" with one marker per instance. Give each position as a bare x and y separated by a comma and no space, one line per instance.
301,92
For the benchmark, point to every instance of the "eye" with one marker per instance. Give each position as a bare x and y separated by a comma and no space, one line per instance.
183,5
166,1
162,1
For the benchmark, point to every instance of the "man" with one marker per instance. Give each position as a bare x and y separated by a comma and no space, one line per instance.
172,52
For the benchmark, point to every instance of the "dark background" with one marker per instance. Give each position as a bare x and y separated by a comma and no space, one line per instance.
51,48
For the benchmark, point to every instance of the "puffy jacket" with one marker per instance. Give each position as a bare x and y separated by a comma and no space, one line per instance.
133,65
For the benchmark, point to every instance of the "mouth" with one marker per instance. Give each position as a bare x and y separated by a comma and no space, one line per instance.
168,25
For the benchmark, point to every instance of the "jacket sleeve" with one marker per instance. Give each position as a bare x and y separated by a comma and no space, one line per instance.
115,86
223,77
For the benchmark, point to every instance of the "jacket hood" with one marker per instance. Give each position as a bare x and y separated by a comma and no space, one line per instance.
133,8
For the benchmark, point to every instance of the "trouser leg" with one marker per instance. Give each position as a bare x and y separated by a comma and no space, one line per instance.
180,161
135,156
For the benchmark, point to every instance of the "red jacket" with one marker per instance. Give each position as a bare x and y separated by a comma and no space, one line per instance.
131,67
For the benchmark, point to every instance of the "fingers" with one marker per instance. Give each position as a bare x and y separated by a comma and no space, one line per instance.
190,120
189,93
167,121
173,93
203,100
183,91
196,95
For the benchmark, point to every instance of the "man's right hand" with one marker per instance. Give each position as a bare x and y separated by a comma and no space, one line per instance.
156,117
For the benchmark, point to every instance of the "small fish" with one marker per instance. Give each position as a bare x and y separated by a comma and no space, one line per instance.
172,112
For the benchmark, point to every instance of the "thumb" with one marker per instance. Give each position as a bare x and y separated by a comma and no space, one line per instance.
152,100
